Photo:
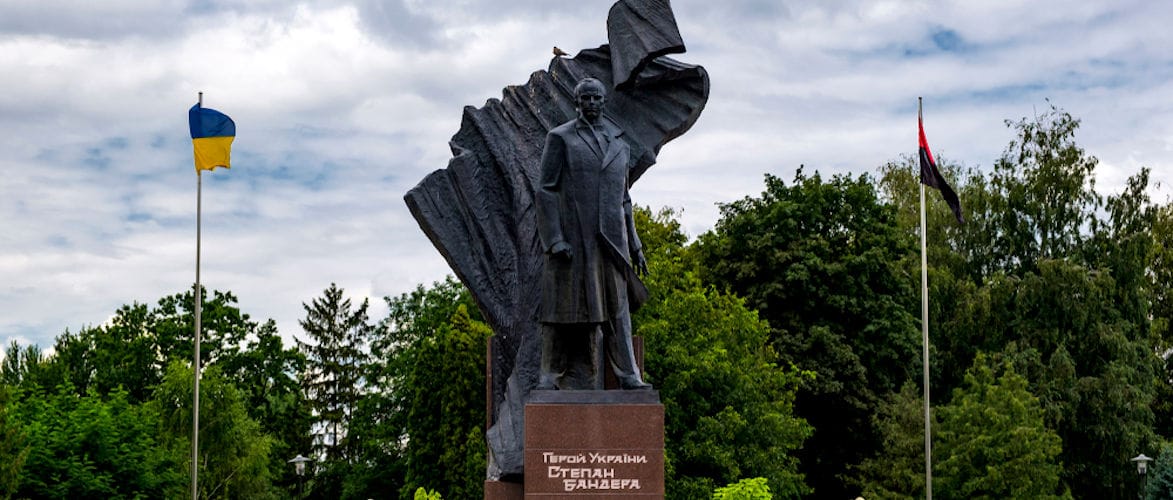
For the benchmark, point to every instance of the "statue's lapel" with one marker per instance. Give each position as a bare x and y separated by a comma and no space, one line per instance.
613,149
615,144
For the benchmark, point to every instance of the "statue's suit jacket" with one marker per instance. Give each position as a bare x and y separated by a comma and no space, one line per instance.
583,200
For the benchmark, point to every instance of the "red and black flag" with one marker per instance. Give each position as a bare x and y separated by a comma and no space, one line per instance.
931,176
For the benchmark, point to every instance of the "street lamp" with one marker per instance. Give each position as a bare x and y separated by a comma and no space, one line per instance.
299,467
1142,468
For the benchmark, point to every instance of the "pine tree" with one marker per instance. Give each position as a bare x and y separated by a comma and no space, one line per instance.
335,355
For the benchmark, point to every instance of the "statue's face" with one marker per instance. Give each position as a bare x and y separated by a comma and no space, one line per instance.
590,101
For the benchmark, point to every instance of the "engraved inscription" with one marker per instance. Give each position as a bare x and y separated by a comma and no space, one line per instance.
592,478
599,484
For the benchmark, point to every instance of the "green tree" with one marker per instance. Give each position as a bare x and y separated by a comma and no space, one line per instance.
23,366
1161,274
445,434
267,375
1064,284
822,262
1160,474
335,357
133,348
223,327
728,401
746,489
233,453
125,354
897,471
994,442
128,355
1038,203
424,494
13,447
249,354
93,447
381,425
1096,380
72,363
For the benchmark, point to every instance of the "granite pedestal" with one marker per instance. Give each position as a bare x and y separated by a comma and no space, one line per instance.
594,444
584,422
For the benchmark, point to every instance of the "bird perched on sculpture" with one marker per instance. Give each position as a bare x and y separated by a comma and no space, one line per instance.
560,53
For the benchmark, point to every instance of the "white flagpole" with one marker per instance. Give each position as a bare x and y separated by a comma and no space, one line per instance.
198,297
924,323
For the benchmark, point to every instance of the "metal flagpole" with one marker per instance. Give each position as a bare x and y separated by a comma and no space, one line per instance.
198,297
924,324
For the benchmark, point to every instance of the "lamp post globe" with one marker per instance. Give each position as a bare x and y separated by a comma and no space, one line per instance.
299,464
1142,468
299,467
1142,463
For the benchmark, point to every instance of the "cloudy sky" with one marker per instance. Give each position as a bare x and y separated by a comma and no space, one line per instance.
342,106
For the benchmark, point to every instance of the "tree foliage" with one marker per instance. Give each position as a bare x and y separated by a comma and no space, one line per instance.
994,442
1044,197
746,489
23,366
821,262
93,447
335,357
13,445
1160,474
132,350
422,493
728,402
1061,283
381,427
1161,275
445,433
111,384
266,374
897,470
234,453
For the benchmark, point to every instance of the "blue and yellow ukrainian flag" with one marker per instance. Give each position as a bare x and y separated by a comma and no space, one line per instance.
212,133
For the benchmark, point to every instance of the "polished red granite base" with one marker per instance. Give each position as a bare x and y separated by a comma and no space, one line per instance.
594,444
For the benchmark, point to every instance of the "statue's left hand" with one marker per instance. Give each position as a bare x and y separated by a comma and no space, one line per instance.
640,263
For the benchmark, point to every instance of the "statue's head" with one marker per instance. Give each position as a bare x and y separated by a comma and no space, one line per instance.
590,95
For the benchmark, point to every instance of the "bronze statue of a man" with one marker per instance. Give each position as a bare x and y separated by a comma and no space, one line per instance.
592,252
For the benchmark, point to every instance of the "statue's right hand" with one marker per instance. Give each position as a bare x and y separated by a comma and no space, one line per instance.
561,250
